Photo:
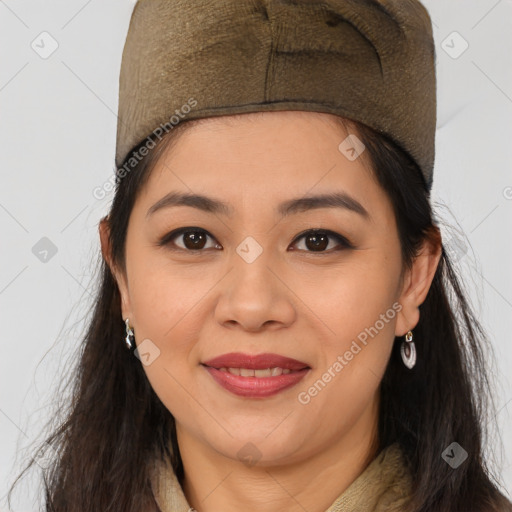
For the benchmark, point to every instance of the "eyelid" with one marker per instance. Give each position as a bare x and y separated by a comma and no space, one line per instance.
342,240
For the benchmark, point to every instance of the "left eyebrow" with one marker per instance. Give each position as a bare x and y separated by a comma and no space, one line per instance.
289,207
333,200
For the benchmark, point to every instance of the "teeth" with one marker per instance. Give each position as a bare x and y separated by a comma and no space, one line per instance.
246,372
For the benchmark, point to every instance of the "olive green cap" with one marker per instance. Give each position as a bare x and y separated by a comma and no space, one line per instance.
372,61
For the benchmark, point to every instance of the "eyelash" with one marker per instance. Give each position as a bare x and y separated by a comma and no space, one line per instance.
167,239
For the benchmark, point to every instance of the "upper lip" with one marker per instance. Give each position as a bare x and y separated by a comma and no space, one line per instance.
255,362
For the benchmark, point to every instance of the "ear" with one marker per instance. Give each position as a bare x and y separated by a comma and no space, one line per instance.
120,278
417,282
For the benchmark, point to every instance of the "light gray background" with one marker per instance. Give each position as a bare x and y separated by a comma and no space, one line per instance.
57,133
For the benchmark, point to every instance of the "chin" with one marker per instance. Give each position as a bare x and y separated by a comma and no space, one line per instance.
262,447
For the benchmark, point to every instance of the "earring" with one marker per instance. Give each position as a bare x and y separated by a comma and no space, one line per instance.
408,351
130,337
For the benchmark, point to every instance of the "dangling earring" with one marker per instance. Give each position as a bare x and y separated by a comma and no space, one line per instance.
130,337
408,351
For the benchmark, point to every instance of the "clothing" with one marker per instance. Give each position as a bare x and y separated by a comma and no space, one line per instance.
371,61
383,486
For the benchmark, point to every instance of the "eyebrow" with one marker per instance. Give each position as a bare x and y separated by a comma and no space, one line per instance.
289,207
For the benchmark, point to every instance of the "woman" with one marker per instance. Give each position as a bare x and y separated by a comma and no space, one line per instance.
278,326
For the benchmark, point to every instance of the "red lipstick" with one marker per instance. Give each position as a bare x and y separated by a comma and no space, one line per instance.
260,375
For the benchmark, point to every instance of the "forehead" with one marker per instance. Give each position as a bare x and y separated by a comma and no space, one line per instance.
258,138
263,157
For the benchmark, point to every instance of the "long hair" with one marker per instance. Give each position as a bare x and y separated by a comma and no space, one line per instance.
114,426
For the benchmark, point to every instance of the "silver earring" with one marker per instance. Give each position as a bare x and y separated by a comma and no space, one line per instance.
408,351
130,337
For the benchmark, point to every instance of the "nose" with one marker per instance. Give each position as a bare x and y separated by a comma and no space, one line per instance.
255,296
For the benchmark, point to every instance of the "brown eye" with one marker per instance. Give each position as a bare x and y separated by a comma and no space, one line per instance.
196,239
318,240
192,239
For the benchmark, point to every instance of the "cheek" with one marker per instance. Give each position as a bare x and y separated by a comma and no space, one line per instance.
164,307
162,299
352,298
164,310
357,307
353,353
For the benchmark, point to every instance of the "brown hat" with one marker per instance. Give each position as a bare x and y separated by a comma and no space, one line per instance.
368,60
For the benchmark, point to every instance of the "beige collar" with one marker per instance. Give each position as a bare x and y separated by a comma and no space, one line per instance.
383,486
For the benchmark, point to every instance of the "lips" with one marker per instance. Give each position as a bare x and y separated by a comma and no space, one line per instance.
256,376
256,387
255,362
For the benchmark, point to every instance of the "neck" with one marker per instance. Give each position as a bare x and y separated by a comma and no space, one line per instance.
214,482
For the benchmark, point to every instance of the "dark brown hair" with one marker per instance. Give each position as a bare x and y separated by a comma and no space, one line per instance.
107,436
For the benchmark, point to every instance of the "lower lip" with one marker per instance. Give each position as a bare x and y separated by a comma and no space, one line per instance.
256,386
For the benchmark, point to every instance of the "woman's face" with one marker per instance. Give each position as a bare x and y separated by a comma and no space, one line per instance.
247,278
